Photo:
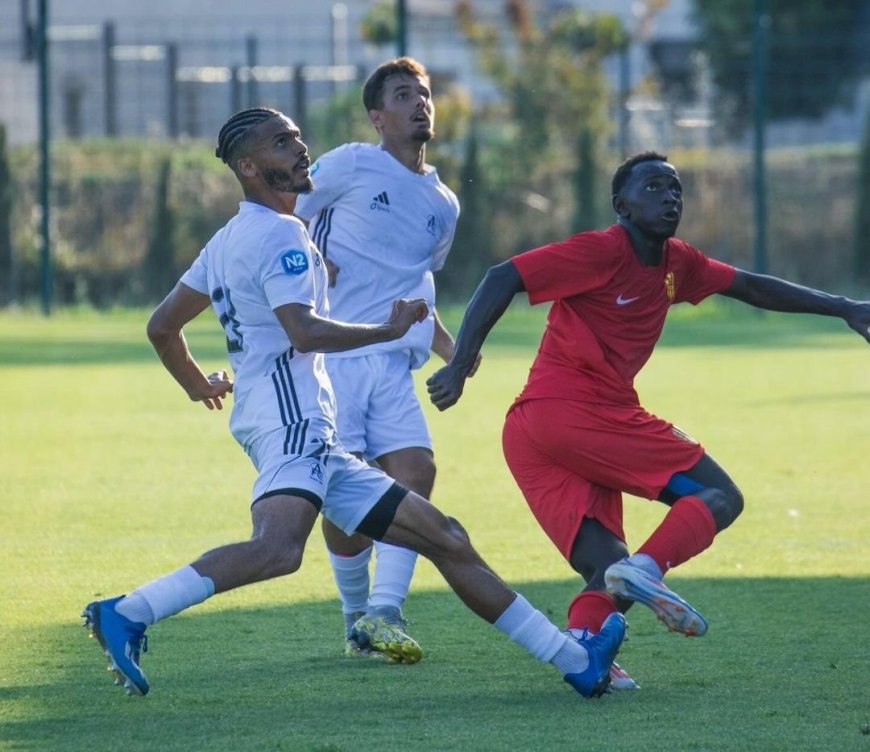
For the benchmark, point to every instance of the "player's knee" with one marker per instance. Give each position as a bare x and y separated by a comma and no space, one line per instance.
279,560
287,562
735,503
458,532
725,504
420,476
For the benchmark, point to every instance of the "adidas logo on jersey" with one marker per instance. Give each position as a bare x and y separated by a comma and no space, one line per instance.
381,202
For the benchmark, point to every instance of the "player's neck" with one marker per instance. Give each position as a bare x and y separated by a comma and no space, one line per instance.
283,203
412,154
648,250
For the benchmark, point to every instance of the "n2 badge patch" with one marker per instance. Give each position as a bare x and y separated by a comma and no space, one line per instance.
294,262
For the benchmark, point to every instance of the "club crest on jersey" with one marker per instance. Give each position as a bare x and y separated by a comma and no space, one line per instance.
430,224
669,286
294,262
316,472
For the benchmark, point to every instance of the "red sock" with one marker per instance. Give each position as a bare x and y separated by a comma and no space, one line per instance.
589,610
687,529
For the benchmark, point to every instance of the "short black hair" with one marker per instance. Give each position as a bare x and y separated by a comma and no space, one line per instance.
373,90
623,172
233,134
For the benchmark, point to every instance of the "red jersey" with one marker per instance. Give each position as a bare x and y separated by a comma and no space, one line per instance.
608,310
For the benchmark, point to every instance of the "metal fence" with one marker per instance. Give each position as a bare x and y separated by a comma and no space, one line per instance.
119,82
148,77
170,81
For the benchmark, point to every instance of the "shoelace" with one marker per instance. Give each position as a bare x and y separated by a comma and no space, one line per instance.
584,633
579,633
140,645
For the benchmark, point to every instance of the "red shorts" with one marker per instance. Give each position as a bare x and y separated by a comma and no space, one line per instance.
573,460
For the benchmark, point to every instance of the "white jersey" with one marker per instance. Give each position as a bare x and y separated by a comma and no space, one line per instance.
387,229
258,261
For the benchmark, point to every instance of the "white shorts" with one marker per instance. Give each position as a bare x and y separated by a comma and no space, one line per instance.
377,410
307,460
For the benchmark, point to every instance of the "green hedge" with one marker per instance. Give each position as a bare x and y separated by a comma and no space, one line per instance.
129,216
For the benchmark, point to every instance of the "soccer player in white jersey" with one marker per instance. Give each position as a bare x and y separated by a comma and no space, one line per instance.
266,282
384,222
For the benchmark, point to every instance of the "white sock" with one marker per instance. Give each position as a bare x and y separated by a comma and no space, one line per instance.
571,658
528,627
166,596
647,563
394,569
352,579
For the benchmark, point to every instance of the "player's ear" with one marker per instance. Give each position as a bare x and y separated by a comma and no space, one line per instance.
377,118
246,166
618,203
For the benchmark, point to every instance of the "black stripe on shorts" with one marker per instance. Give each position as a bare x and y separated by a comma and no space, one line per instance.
380,516
301,492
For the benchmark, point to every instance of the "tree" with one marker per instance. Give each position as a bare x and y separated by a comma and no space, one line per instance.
585,184
473,242
814,48
862,216
6,192
379,26
159,270
557,97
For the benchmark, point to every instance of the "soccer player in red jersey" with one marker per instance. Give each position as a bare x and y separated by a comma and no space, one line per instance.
577,436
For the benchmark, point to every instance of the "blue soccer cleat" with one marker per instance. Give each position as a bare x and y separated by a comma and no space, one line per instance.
601,649
620,679
627,580
122,641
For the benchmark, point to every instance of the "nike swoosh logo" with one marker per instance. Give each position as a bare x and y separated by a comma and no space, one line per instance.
625,301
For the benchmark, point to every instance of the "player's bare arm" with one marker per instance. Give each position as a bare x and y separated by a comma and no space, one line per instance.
774,294
310,332
444,346
489,302
164,329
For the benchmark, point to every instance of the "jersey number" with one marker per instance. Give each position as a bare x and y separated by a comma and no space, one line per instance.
227,316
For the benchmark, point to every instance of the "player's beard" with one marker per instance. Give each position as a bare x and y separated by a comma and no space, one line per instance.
423,137
283,182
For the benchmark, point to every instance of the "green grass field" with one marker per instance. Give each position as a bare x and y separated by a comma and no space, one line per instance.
110,477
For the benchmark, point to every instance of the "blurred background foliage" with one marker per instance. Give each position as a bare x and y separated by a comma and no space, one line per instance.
530,166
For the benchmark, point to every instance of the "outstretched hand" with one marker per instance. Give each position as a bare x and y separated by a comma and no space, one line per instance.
858,318
212,395
445,386
406,313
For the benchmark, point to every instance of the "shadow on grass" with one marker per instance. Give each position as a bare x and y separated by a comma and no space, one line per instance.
783,667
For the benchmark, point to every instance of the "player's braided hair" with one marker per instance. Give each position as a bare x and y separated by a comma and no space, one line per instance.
234,131
620,177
